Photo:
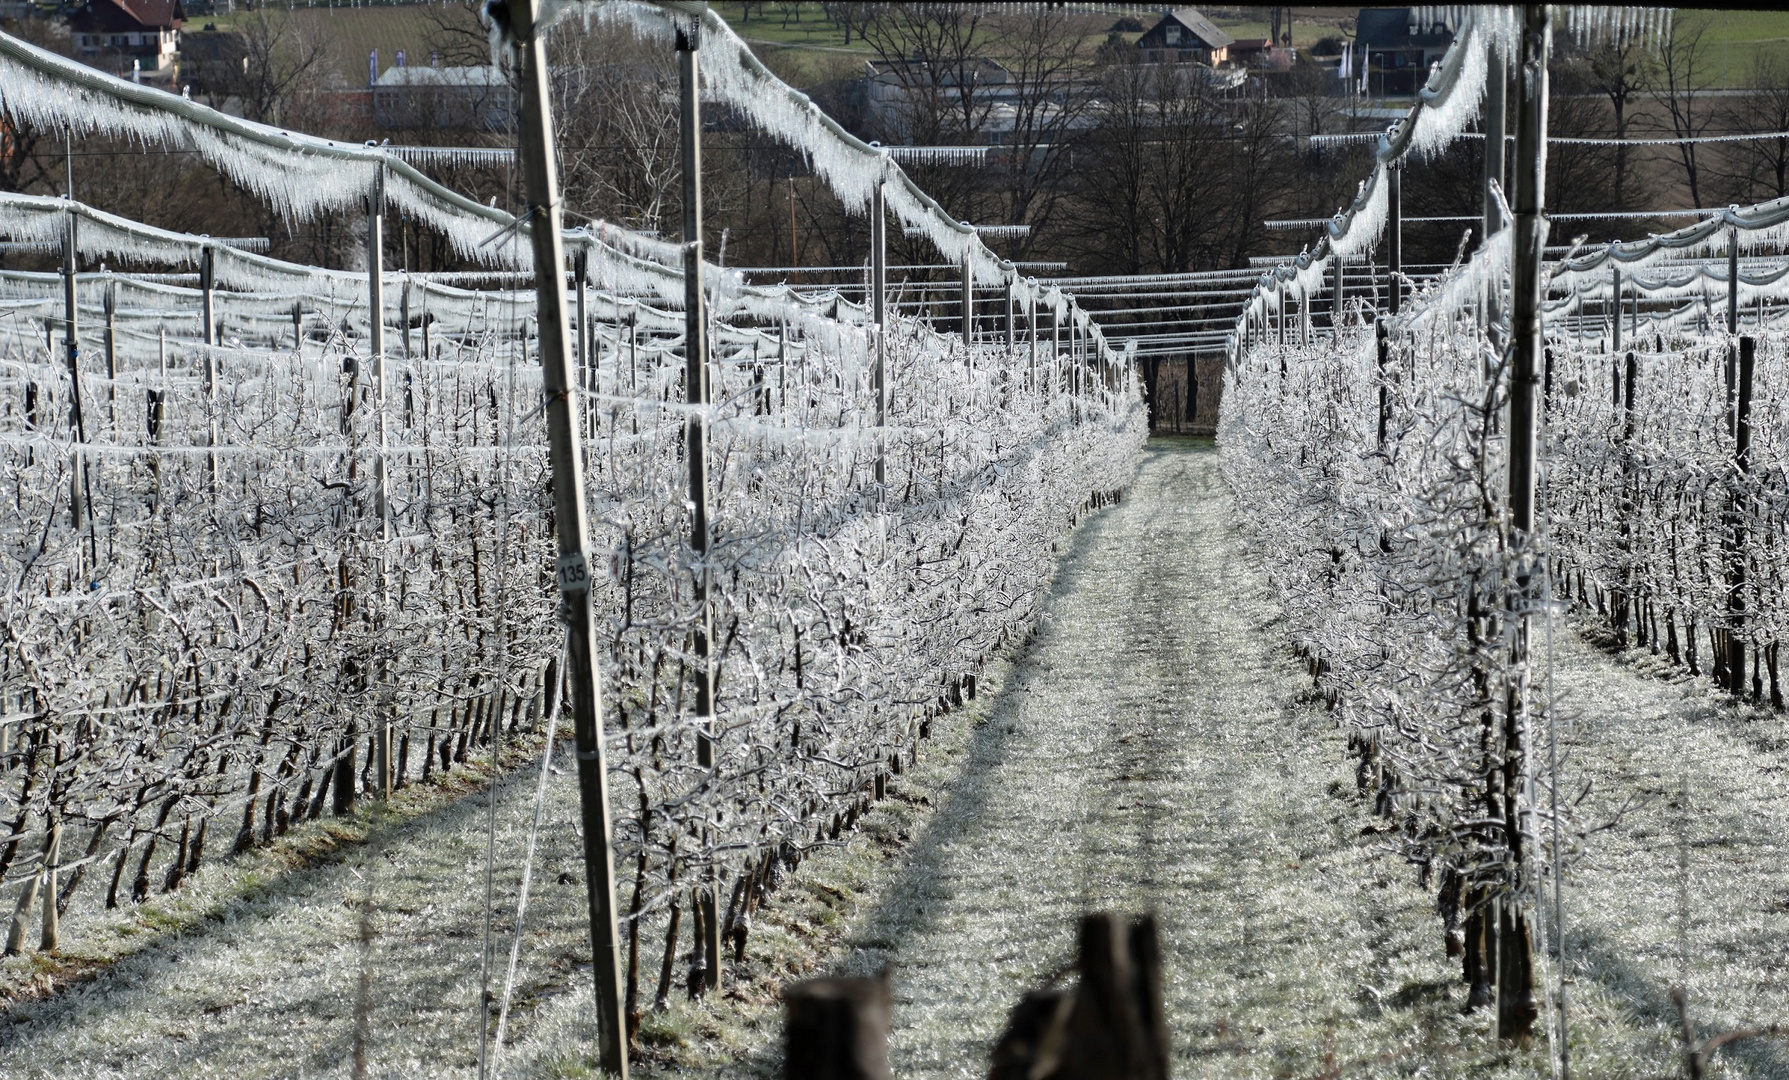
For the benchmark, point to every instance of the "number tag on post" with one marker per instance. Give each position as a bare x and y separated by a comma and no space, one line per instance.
573,572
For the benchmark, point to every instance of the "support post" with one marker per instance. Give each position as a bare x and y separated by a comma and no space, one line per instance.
375,241
580,271
1615,308
72,356
1394,238
1031,332
1736,574
207,290
1495,122
1009,318
1382,340
111,307
837,1029
1516,1007
1732,327
375,284
541,184
879,313
968,328
695,351
1495,119
1336,294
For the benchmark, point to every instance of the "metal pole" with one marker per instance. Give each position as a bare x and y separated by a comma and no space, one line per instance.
1495,116
1516,1009
580,264
1732,326
879,312
1742,464
1335,300
1031,332
375,242
1495,113
1394,237
207,287
1384,357
1615,307
1010,282
695,351
968,301
72,353
111,305
541,180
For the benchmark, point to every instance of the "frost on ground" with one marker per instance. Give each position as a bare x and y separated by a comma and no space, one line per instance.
1690,887
1154,748
268,987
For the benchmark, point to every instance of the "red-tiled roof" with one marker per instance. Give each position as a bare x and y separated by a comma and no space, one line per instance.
112,16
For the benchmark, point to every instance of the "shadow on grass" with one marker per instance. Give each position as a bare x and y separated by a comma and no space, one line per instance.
404,856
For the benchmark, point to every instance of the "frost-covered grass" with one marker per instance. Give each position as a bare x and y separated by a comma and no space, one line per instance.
257,969
1691,887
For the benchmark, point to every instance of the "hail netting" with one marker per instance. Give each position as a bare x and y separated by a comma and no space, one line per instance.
227,623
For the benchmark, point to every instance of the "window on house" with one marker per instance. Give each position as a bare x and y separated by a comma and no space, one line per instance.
1173,32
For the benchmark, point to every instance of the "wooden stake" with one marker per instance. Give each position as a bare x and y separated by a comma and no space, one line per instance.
541,182
879,312
1736,573
1516,1008
695,350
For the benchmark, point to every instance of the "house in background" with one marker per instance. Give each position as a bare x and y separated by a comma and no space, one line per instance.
145,31
1402,42
454,98
1185,35
900,94
1260,54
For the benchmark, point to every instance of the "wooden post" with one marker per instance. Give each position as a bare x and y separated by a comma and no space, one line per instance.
376,341
879,313
51,939
1009,320
1495,119
1615,308
72,356
1336,294
1109,1027
541,183
207,288
1516,1007
586,339
1494,124
111,307
968,328
837,1029
1381,339
1736,573
695,350
1031,333
375,240
1394,237
1732,326
1624,599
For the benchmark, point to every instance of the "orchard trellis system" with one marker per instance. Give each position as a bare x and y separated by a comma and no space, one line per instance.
281,536
1431,476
